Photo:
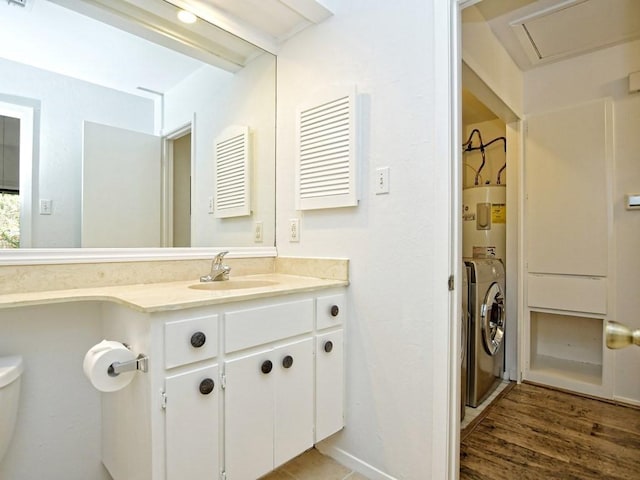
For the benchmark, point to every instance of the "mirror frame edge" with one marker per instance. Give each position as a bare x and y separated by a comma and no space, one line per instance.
43,256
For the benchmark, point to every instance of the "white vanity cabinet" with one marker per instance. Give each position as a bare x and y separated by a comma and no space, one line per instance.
268,408
268,375
331,310
233,390
191,424
191,398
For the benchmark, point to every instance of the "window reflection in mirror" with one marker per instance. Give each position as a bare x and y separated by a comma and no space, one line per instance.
74,72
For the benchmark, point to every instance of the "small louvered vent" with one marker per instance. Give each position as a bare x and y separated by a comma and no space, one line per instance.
326,153
232,197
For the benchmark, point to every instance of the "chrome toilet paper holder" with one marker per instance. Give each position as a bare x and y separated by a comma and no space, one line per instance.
141,363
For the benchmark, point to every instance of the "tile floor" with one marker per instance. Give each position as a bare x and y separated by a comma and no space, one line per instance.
312,465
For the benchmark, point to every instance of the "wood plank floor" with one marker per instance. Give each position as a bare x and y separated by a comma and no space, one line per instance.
539,433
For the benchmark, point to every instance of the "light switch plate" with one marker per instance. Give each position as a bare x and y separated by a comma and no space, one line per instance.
382,180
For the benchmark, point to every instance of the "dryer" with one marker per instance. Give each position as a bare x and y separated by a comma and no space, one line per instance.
487,324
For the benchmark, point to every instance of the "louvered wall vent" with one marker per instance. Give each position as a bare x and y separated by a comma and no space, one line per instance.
326,163
233,180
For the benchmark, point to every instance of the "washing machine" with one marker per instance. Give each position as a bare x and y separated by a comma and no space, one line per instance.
487,322
464,340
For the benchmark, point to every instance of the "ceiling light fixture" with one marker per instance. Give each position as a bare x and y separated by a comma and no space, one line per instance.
186,17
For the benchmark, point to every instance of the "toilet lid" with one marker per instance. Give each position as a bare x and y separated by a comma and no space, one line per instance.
10,369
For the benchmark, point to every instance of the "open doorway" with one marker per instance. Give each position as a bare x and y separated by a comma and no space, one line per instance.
9,182
488,160
178,187
490,205
17,124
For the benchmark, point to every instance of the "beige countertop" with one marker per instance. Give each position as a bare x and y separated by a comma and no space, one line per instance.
157,297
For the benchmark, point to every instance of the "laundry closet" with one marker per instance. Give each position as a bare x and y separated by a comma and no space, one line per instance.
484,316
567,112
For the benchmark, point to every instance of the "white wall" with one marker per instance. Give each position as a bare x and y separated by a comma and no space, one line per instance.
220,99
398,244
65,102
57,432
582,79
484,54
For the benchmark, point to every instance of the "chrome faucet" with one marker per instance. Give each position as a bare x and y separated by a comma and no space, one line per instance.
219,270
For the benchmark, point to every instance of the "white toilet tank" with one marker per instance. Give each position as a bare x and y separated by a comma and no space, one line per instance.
10,371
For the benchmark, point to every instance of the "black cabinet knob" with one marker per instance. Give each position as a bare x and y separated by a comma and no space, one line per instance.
328,346
287,361
206,386
335,310
266,367
198,339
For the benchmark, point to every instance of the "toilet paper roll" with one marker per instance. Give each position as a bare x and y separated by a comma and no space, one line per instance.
98,360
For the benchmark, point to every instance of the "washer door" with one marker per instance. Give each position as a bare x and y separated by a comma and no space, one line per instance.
492,313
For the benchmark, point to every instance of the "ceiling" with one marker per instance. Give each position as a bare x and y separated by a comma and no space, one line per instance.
473,110
45,35
537,32
126,44
266,23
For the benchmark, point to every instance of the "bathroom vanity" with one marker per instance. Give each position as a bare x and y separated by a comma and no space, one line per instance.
233,390
241,375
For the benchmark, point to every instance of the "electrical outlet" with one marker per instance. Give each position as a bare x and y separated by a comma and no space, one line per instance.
382,180
211,205
257,232
294,230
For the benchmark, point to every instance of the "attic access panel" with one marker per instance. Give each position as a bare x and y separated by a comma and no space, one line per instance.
577,26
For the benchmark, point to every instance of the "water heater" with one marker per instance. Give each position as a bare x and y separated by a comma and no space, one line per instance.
484,222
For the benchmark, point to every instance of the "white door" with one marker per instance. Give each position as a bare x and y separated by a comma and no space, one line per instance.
121,182
191,424
293,426
249,413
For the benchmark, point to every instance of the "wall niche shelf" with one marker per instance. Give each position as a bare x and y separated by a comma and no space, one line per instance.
566,350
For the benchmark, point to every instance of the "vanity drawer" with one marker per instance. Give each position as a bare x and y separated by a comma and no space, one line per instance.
331,311
190,340
257,326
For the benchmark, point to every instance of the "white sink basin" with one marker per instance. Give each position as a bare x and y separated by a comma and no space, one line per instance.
232,284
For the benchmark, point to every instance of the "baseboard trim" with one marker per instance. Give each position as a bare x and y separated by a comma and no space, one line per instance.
627,402
353,463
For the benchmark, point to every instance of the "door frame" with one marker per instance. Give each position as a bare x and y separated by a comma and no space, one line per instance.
448,36
28,152
167,177
447,65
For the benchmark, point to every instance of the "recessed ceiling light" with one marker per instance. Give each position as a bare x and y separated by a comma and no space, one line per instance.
187,17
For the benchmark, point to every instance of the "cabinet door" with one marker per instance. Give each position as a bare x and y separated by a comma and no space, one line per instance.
329,384
293,424
249,413
568,201
191,424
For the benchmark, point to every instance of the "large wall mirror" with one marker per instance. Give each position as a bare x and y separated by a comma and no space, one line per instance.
109,137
